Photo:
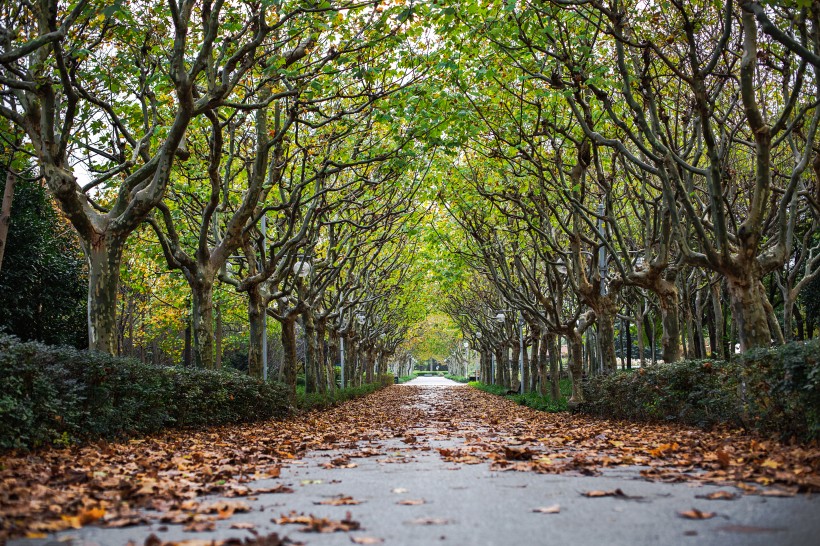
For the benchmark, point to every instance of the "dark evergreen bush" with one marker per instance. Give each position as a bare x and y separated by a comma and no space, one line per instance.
769,390
62,395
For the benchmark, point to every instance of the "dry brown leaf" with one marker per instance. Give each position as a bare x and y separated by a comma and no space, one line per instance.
718,495
411,502
339,501
694,513
428,521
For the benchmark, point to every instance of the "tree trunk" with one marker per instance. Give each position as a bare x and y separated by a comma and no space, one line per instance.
771,319
554,362
749,311
187,351
203,317
499,365
514,371
606,341
311,367
540,356
289,360
668,302
325,372
104,257
218,338
688,337
700,346
639,330
369,366
526,379
628,345
5,213
576,368
720,324
256,318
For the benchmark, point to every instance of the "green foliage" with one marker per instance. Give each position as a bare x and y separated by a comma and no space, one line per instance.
531,399
59,395
457,378
316,400
768,390
43,280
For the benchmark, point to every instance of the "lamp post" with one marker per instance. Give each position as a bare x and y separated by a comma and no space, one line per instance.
502,317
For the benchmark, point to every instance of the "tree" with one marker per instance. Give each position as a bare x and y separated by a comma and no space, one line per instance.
42,294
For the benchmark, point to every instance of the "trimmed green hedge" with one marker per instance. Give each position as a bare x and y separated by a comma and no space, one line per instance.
316,400
61,395
768,390
530,399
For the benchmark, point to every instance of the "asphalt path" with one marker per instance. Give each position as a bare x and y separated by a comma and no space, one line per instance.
408,495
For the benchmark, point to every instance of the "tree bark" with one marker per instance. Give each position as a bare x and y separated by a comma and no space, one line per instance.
554,362
606,340
749,311
218,338
203,316
720,325
289,360
256,318
104,258
576,368
311,367
5,213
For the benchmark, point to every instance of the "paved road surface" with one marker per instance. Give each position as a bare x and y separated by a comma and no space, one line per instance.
472,505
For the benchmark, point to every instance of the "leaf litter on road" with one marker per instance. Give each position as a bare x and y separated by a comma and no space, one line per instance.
50,489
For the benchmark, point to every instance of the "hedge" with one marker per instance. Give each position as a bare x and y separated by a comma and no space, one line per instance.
317,400
61,395
767,390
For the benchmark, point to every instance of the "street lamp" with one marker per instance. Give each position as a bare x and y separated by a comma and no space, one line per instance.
360,318
302,267
561,267
500,317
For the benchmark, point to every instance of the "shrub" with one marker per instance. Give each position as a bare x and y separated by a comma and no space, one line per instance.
769,390
316,400
457,378
60,394
531,399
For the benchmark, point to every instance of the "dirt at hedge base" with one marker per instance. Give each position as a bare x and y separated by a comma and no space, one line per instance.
110,483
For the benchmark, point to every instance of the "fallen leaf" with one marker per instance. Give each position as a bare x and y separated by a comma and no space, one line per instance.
718,495
428,521
553,509
694,513
313,524
614,493
243,525
399,490
339,501
723,458
411,502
